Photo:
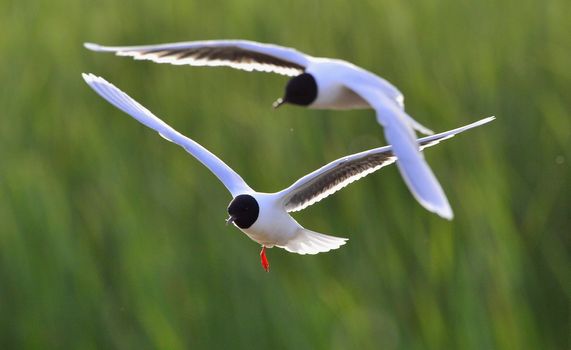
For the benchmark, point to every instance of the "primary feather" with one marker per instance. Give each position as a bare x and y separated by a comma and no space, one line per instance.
332,177
240,54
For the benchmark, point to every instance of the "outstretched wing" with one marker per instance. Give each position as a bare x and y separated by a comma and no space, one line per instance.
239,54
334,176
399,133
124,102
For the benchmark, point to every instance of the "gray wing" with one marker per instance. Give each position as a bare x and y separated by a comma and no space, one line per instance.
332,177
239,54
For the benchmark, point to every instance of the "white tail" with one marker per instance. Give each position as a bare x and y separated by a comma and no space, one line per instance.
309,242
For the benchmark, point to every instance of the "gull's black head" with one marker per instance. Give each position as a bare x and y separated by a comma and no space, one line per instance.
300,90
243,211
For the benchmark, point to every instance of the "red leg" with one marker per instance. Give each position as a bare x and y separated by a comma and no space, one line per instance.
265,262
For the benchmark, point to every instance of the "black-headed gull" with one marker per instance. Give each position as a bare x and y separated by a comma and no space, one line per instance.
264,217
321,83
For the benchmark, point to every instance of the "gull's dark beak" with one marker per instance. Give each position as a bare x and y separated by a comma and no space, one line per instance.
230,220
280,101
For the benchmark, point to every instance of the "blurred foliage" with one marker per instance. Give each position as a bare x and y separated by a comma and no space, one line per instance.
111,237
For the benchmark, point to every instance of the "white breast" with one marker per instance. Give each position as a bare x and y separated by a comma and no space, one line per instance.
274,225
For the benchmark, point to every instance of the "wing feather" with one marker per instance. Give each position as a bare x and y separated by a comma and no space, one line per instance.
240,54
233,182
398,128
332,177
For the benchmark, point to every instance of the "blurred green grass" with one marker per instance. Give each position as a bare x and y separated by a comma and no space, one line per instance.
112,238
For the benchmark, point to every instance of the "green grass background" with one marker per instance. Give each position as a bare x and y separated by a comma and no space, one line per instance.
111,237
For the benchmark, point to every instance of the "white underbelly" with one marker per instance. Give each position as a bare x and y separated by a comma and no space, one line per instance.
271,229
339,97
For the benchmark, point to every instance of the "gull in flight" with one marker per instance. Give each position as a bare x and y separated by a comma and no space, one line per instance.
264,217
320,83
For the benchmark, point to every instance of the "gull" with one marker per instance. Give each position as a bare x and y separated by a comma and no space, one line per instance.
320,83
264,217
